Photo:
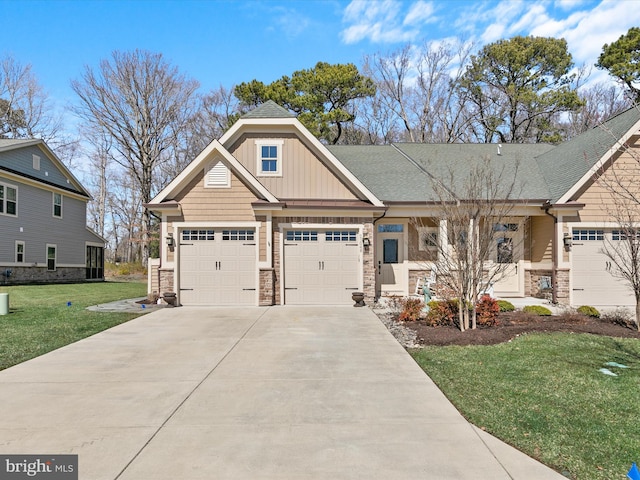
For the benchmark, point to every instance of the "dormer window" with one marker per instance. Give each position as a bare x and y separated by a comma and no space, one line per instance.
269,154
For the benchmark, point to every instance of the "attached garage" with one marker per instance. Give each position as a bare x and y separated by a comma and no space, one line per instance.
592,283
218,266
321,266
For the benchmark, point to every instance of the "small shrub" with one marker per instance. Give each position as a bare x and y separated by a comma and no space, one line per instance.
487,310
537,310
506,306
619,316
411,310
442,312
589,311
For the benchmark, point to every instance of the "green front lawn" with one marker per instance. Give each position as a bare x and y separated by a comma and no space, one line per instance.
545,395
41,319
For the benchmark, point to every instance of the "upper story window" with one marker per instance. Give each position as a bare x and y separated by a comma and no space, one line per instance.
8,200
57,205
269,154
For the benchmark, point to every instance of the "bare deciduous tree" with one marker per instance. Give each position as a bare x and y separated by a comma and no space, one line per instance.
477,208
142,103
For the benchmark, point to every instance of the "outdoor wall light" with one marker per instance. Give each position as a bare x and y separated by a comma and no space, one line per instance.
366,242
567,240
169,240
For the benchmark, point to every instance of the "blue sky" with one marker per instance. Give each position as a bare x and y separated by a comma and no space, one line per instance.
226,42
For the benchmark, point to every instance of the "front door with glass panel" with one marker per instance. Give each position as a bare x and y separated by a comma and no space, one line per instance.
507,255
390,260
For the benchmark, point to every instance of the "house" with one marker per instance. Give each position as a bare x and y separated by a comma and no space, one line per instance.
268,215
43,219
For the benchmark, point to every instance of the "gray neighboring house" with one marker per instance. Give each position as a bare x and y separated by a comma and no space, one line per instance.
43,219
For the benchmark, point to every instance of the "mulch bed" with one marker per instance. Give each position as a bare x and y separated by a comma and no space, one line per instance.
512,324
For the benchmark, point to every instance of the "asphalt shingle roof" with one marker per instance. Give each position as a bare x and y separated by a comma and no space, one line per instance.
269,109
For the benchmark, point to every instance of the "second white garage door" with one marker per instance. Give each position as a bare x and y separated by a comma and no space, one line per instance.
218,267
321,267
592,284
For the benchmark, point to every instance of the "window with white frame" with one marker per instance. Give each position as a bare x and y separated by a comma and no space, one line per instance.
51,257
217,175
19,251
8,200
57,205
269,154
428,237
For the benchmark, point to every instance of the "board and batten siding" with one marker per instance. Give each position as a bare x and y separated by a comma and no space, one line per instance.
39,228
598,199
304,176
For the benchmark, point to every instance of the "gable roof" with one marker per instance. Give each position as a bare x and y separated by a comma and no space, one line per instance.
568,166
64,179
269,109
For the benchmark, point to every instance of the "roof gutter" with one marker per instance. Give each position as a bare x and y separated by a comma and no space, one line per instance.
554,253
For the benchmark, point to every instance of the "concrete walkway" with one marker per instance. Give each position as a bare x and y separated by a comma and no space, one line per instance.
251,393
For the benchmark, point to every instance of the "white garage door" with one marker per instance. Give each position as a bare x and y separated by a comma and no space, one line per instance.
592,284
321,267
218,267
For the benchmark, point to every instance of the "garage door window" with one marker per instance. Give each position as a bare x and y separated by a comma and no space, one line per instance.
198,235
341,236
234,235
302,236
586,235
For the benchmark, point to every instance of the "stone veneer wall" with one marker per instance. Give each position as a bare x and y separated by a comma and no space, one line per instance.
166,280
369,272
267,280
25,275
532,285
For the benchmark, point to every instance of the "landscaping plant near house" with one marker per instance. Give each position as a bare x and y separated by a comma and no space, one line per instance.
589,311
506,306
487,310
411,309
537,310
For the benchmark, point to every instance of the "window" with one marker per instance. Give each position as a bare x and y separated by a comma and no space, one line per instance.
504,253
428,238
198,235
8,200
36,162
51,257
95,262
391,228
587,235
57,205
245,235
19,251
302,236
217,176
269,157
341,236
390,250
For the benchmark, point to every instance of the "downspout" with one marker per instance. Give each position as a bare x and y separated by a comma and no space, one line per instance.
554,254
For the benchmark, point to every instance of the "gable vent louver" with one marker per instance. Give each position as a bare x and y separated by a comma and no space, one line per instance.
218,176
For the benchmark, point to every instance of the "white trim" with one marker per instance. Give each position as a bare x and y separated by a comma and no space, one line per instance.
55,259
24,252
3,200
187,174
619,144
53,205
269,142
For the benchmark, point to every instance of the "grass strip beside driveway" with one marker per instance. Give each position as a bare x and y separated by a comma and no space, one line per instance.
43,318
545,395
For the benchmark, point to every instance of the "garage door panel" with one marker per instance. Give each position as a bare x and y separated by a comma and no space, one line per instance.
592,283
218,268
321,267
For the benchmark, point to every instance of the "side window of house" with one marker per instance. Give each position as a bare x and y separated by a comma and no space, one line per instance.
57,205
269,155
19,251
51,257
8,200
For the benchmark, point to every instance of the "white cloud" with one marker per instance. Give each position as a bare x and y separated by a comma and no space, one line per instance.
379,21
420,12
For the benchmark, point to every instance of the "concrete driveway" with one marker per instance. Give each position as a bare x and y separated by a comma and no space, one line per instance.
251,393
